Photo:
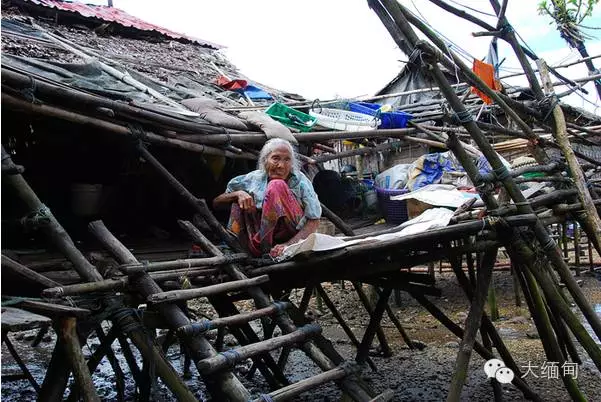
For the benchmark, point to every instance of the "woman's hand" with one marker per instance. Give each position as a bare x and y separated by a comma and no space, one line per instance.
245,201
277,250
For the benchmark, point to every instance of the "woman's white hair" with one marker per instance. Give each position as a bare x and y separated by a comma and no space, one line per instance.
271,146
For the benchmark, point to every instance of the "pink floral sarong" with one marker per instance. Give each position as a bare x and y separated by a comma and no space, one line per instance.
261,229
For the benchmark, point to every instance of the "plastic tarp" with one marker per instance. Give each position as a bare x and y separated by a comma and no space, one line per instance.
393,178
440,195
317,242
254,92
428,169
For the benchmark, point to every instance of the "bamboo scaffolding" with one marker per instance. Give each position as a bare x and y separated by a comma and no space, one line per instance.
350,385
576,172
222,384
398,14
508,183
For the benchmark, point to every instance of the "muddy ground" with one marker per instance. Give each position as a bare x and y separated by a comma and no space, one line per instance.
414,375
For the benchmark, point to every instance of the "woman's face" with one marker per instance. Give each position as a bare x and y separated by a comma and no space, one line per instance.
279,163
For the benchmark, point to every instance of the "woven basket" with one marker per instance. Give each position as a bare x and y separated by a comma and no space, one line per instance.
395,212
345,120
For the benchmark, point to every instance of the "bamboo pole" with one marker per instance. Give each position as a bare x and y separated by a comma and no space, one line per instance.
198,204
374,323
387,146
299,387
231,357
236,320
74,117
186,294
26,273
560,135
118,284
369,307
347,330
182,263
72,349
472,325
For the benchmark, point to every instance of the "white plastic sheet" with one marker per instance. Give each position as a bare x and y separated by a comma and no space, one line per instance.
430,219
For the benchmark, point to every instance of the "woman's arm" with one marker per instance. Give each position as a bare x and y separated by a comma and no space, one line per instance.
309,227
244,200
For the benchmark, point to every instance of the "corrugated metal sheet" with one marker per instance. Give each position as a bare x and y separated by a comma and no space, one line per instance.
115,15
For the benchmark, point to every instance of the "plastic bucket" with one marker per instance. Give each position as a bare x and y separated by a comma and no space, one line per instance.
85,198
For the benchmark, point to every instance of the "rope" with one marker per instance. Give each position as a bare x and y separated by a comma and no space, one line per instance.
127,319
29,92
547,103
196,328
280,307
231,357
310,329
502,173
506,29
35,218
462,117
549,245
138,132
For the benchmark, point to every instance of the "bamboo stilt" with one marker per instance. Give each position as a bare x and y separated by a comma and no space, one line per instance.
481,350
374,323
550,344
223,384
57,376
472,324
342,323
72,349
386,351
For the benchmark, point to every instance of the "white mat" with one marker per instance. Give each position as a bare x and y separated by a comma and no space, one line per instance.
430,219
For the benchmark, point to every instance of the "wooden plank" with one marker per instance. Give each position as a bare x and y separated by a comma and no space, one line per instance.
15,319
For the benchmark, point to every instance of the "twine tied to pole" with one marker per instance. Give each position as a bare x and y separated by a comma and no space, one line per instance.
36,218
29,92
231,357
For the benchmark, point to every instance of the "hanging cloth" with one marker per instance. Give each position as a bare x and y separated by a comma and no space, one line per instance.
486,72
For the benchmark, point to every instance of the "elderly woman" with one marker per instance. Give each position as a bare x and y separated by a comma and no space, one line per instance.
273,206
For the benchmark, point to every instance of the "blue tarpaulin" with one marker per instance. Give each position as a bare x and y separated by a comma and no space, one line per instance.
254,92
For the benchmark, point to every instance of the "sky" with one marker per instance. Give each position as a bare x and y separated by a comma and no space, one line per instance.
339,48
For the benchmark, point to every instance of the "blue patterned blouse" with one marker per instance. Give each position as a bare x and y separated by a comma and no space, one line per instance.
255,184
